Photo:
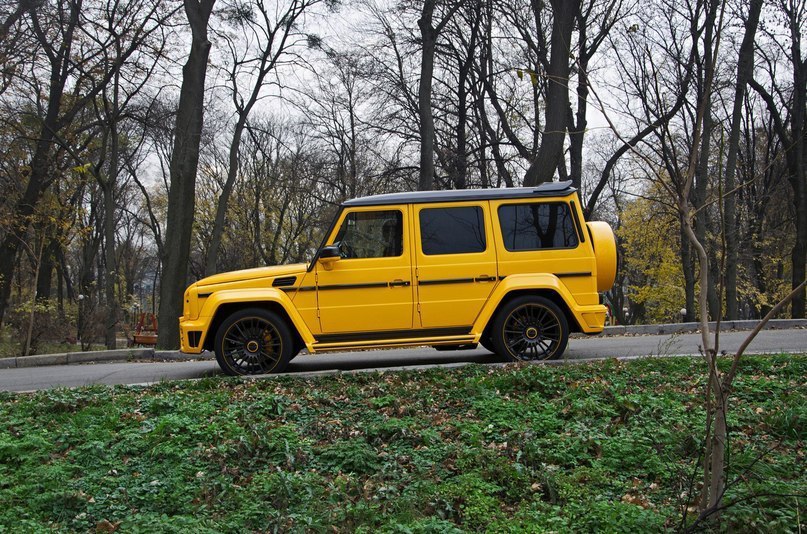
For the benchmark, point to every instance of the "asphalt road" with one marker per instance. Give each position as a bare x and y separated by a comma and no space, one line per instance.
28,379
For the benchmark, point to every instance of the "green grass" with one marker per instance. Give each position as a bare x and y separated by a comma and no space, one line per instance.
598,447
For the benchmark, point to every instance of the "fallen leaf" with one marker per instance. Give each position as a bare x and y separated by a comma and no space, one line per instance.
105,526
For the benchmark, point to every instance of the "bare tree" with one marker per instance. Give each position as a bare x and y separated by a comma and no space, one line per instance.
791,127
111,109
429,32
595,20
542,168
13,43
272,32
184,163
70,66
745,71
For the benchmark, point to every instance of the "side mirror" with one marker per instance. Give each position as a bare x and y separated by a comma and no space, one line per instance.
328,255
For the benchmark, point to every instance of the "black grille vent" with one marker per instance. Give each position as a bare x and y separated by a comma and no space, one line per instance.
284,282
194,336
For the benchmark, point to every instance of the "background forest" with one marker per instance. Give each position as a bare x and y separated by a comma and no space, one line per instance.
147,143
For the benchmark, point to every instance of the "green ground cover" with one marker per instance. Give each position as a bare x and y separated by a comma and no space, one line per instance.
598,447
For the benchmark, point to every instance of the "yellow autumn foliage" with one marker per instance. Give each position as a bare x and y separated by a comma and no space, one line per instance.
651,240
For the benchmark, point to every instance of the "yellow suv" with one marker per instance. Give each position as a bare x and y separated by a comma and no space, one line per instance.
514,269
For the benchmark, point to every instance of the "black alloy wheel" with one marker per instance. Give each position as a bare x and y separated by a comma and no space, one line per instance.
253,341
530,328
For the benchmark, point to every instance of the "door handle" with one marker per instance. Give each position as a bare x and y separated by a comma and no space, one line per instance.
399,283
485,278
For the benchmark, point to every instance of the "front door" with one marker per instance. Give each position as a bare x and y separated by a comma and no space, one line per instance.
369,289
455,262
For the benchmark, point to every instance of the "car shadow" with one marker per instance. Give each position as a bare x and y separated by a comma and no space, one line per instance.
376,359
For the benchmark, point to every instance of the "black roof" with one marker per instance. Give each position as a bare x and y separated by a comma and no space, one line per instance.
547,189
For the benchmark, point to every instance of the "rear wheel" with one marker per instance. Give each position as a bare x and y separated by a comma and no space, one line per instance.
530,328
253,341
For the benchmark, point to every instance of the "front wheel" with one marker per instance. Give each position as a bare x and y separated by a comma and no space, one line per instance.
253,341
530,328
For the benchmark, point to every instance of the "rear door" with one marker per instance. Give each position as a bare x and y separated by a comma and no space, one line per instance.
455,259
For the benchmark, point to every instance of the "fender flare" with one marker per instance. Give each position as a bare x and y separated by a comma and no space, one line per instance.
256,297
528,282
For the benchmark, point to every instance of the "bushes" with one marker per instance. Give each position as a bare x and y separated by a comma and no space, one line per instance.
46,325
52,330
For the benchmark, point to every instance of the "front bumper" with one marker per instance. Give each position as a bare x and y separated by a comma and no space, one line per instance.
192,335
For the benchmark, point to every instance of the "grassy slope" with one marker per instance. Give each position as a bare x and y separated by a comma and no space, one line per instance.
607,446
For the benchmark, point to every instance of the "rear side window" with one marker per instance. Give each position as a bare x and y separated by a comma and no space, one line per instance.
537,226
458,230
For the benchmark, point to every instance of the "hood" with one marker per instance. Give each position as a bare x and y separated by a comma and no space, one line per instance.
251,274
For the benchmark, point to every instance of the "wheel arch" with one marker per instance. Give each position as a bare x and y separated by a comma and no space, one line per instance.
548,293
225,309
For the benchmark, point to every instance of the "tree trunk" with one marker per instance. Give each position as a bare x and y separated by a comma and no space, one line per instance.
459,177
64,273
183,167
745,69
701,219
798,174
110,258
689,277
110,264
44,281
577,130
60,292
32,314
799,253
797,163
460,167
429,39
542,169
717,467
702,175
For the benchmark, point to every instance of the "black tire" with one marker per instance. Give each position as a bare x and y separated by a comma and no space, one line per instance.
530,328
253,341
487,342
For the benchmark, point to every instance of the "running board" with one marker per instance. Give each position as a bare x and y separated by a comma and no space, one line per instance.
394,343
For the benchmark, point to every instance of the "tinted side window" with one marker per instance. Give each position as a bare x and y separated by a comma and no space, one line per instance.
537,226
371,234
452,230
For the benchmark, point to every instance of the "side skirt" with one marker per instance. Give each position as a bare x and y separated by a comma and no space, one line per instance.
393,339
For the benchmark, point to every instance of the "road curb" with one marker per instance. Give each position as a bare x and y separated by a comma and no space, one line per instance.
685,328
99,356
149,354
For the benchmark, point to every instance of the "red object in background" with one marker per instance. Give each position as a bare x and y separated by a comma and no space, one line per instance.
143,335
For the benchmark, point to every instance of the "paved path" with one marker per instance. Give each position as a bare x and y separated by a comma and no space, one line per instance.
769,341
